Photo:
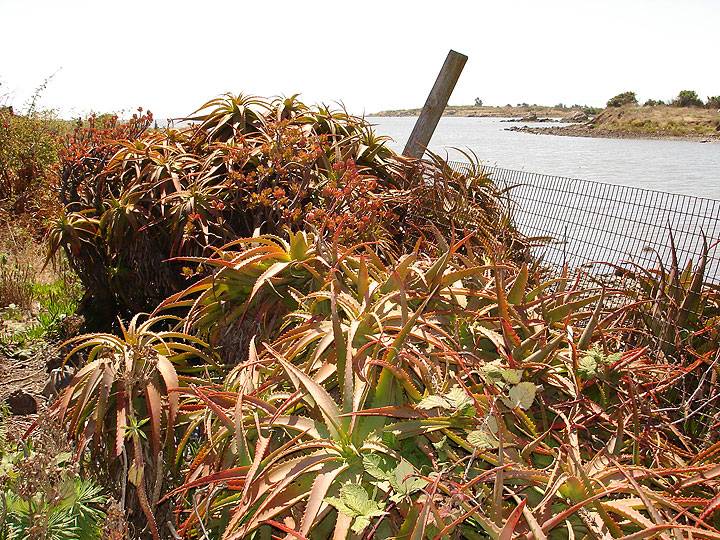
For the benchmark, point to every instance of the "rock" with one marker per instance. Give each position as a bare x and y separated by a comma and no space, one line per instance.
576,117
21,403
532,117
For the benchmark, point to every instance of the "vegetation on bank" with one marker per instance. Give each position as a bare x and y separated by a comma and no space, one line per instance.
684,116
659,120
634,121
685,98
506,111
295,332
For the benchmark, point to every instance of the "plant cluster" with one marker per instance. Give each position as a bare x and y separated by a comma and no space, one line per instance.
653,103
713,102
623,99
29,145
42,496
313,375
243,165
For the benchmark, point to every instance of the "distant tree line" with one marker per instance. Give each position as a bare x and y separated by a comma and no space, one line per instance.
685,98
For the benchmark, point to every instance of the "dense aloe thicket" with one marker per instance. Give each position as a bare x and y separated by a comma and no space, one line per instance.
245,166
344,343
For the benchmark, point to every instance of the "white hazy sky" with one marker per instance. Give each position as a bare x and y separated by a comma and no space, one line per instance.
171,56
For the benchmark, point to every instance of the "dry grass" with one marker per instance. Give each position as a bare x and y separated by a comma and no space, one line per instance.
660,120
19,266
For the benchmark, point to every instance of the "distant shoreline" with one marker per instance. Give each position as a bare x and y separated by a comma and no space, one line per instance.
581,130
469,111
662,122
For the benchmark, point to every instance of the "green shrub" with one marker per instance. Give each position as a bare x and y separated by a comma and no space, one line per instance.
687,98
621,100
29,144
713,102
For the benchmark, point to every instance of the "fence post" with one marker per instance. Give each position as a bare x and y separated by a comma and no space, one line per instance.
435,105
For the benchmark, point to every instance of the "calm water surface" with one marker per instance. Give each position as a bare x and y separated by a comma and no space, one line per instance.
685,167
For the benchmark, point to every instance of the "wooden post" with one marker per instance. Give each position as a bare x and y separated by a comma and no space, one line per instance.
435,105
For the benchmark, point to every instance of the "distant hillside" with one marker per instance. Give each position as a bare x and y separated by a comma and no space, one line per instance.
659,120
505,112
656,122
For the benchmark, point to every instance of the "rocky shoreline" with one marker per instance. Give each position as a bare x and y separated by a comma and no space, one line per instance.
584,130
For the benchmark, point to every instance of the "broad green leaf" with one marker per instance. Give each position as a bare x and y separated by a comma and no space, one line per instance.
458,398
483,439
404,480
521,395
376,466
354,502
431,402
512,376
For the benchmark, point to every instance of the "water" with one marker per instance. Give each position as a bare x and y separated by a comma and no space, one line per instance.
589,221
685,167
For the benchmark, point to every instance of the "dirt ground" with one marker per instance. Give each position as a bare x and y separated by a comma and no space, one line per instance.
26,373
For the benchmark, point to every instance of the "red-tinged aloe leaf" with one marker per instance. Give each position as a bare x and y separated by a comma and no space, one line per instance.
626,508
140,489
81,403
418,530
649,506
509,528
284,528
413,428
501,298
286,484
561,312
103,399
325,403
298,423
712,506
121,404
154,409
535,528
266,276
170,377
384,394
70,390
586,337
324,479
701,477
517,291
234,474
559,517
221,414
185,439
541,354
512,340
391,411
490,527
260,448
342,526
343,353
693,532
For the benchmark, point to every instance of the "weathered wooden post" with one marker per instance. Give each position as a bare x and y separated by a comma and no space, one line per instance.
435,105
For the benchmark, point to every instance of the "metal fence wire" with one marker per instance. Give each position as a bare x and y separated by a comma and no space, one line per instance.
586,221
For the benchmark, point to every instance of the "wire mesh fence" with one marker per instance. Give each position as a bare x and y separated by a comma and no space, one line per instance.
584,222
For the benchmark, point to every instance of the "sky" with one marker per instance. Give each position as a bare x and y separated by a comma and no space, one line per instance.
170,56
